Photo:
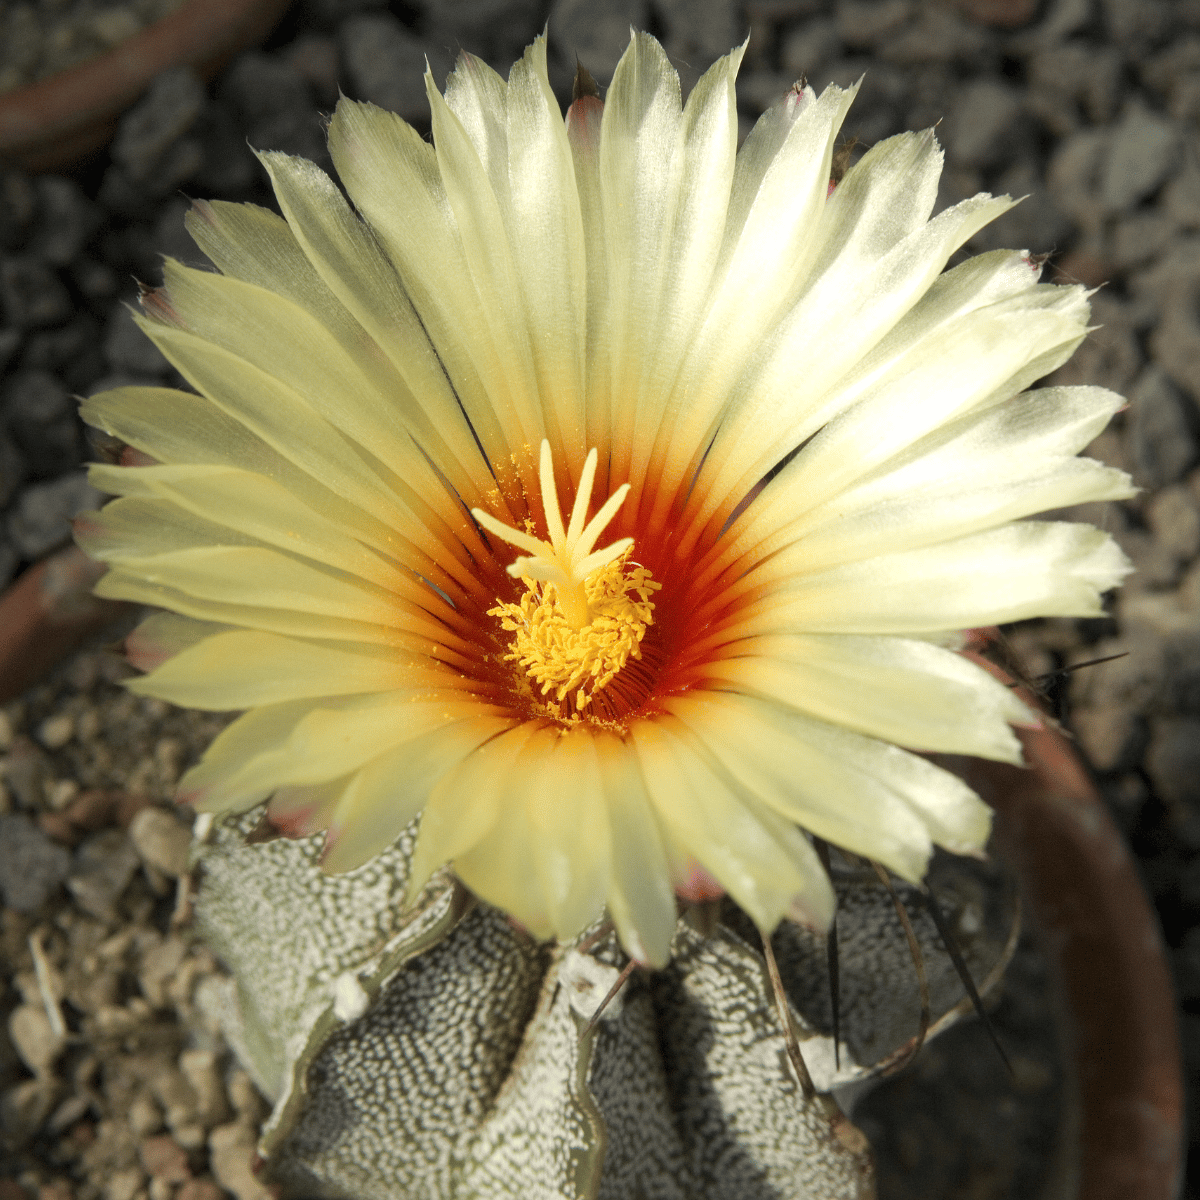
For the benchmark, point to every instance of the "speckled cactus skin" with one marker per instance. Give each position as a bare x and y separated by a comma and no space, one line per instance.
439,1052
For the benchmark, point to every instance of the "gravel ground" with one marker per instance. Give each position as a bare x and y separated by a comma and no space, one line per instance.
1090,107
39,39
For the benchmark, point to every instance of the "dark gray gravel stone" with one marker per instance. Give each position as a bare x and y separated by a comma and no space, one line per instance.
697,33
1035,224
10,341
1143,152
149,130
864,24
229,167
1074,83
495,30
72,352
982,126
328,13
1189,894
1074,174
32,867
1180,695
938,34
8,561
1176,341
96,281
67,219
385,64
1136,26
808,47
103,866
12,468
1181,197
41,417
41,518
1173,760
1162,436
127,348
315,59
1139,237
597,31
18,203
274,105
31,294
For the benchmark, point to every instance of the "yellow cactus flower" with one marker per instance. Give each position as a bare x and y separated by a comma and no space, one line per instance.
604,494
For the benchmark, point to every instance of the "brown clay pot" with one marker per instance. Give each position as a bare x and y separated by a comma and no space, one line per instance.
1102,937
46,614
59,120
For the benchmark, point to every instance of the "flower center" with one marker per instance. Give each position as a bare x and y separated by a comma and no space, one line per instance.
584,612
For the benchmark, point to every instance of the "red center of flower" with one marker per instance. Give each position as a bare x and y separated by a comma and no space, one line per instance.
591,635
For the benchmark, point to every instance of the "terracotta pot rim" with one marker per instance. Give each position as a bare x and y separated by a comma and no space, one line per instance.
58,120
1106,952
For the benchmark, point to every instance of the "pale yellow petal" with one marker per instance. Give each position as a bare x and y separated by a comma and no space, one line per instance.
243,668
360,275
500,867
640,900
119,584
869,796
283,420
505,335
163,635
569,831
356,393
380,157
306,809
387,792
583,125
908,692
708,812
776,408
542,217
465,804
309,742
1026,569
211,785
695,215
780,183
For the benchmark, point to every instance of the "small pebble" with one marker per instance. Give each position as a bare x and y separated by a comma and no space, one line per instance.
26,1106
232,1149
68,1112
145,1117
33,1037
245,1098
61,793
31,866
104,864
56,731
162,841
125,1184
200,1068
164,1159
201,1189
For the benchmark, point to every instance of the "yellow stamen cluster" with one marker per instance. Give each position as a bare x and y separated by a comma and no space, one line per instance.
562,659
585,611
